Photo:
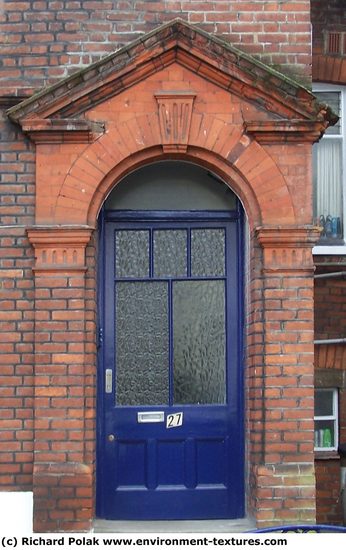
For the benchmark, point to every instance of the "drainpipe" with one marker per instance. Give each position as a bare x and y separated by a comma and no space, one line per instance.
342,452
330,275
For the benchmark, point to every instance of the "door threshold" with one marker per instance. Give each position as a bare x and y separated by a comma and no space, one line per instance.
182,526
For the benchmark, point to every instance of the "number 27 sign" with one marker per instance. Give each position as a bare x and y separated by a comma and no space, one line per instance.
174,420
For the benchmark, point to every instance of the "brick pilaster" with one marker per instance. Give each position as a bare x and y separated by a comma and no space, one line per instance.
62,477
284,476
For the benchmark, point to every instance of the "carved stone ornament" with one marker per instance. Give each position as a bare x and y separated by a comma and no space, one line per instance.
175,112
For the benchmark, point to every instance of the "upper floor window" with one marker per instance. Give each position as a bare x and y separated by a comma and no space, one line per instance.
326,419
329,167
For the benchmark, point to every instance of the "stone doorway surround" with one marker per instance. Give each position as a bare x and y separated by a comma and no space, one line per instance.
175,93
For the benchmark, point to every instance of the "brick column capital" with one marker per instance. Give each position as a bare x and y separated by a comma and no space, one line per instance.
59,248
287,248
288,237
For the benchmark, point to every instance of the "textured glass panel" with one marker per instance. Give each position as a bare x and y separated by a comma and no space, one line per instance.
199,342
207,252
132,254
142,343
170,253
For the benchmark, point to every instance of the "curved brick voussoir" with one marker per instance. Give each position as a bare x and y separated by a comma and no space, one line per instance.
248,169
98,160
203,157
268,184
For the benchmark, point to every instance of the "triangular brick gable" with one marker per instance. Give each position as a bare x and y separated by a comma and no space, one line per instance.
204,54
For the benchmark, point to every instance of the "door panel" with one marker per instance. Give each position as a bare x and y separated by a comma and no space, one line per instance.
171,341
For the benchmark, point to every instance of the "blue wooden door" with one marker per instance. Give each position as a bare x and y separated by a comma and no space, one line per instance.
170,394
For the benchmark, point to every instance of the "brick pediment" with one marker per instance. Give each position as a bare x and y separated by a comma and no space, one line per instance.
176,42
175,92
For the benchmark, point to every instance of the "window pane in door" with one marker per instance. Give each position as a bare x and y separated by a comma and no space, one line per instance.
142,343
170,253
199,342
208,252
132,254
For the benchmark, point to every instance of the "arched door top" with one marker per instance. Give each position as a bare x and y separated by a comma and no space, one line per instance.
176,91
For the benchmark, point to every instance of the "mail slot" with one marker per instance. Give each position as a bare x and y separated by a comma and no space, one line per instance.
152,416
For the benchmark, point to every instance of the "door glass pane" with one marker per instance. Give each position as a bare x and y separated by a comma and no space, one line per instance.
132,254
208,252
199,342
142,343
170,253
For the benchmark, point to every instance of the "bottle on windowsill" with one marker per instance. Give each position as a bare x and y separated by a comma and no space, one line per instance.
327,438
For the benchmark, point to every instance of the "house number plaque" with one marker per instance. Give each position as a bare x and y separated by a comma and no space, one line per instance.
174,420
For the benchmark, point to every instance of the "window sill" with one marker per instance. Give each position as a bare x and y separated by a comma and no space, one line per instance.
335,250
327,455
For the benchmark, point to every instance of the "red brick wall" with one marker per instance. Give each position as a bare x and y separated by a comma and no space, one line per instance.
326,15
330,307
330,322
328,504
62,489
280,447
16,307
330,294
44,40
39,46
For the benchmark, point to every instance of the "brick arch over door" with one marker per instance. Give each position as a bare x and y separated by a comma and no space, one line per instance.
240,161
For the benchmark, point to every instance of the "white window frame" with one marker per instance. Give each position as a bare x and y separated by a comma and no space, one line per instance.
334,417
325,87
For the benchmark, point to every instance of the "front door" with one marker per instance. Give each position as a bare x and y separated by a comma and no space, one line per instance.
170,425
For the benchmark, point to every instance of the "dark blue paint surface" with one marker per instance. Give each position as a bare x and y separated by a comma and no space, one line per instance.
195,471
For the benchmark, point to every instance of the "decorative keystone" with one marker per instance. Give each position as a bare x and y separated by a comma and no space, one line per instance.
59,249
175,112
